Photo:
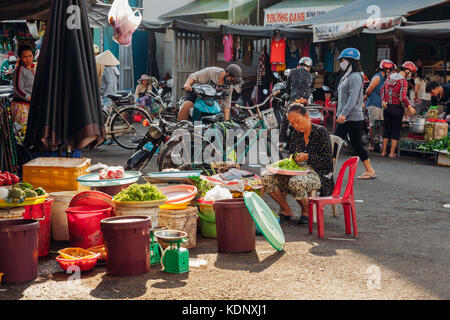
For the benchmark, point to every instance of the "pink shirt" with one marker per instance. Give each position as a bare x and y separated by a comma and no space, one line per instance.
228,45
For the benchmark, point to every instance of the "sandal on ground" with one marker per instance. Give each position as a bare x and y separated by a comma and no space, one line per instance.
303,220
283,216
367,177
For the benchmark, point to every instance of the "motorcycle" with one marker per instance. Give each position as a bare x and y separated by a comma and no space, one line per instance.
159,133
206,103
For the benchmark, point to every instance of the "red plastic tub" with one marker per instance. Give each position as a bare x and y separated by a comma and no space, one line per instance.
84,225
42,213
127,244
19,250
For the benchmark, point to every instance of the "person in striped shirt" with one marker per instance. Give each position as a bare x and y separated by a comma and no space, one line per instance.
394,100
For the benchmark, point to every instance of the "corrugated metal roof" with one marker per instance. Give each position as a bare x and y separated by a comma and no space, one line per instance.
203,7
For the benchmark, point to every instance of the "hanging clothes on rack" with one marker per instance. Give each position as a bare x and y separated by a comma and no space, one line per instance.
278,53
248,54
8,143
228,47
305,51
292,55
264,75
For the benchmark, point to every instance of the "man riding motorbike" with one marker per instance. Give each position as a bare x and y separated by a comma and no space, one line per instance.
298,87
222,79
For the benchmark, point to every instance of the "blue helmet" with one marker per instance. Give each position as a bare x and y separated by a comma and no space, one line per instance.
351,53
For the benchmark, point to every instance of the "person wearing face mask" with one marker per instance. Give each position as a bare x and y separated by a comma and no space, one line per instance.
298,87
350,117
222,79
394,97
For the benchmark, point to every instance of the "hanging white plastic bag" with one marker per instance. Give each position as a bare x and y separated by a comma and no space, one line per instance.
124,21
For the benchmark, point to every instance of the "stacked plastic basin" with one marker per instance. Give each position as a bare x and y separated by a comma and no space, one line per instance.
84,214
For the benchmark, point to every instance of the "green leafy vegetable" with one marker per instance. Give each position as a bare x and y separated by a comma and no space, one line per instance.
202,185
140,192
288,164
441,145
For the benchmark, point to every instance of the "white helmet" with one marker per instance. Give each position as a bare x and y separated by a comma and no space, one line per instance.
307,61
12,59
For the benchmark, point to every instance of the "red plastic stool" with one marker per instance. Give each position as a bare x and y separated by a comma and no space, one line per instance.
330,107
347,200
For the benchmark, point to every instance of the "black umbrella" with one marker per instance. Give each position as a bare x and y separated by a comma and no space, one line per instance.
65,106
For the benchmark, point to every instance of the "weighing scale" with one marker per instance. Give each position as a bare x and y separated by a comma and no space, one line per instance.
174,259
155,247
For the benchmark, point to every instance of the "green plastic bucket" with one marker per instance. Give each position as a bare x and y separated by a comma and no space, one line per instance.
207,219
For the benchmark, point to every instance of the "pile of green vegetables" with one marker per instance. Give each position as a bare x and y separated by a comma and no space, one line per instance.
23,190
440,145
140,192
288,164
202,186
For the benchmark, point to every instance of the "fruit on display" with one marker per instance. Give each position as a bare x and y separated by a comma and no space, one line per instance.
8,179
140,192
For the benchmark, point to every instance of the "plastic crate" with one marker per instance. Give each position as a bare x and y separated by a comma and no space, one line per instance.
269,117
56,174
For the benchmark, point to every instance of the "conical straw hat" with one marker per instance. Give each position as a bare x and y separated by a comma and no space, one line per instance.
107,58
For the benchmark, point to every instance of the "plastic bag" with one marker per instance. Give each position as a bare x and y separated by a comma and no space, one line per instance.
124,21
106,172
218,193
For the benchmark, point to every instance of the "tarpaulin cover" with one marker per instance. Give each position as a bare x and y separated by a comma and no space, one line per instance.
436,31
65,105
357,15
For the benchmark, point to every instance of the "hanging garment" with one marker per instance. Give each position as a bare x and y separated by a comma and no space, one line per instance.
278,51
248,54
228,47
292,58
305,51
281,67
329,60
312,54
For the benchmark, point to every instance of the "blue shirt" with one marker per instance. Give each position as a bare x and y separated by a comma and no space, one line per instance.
375,97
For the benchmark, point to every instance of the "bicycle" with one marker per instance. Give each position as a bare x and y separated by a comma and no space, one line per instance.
181,153
124,123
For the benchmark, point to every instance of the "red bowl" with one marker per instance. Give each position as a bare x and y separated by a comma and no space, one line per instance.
85,264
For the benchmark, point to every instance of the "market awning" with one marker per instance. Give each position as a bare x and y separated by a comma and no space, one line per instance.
358,15
294,11
154,26
179,26
203,7
265,31
436,31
